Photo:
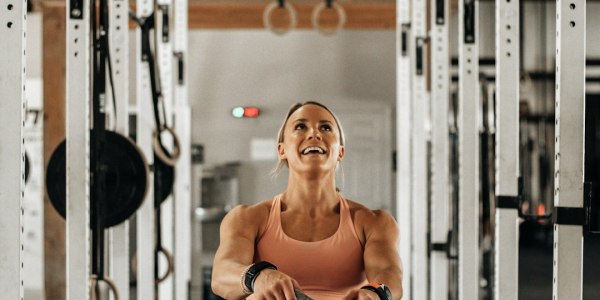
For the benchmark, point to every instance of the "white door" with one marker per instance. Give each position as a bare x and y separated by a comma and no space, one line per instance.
366,173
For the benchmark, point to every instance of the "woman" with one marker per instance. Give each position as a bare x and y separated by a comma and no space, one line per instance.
309,238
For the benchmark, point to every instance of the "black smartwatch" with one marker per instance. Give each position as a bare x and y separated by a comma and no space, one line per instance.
380,289
253,271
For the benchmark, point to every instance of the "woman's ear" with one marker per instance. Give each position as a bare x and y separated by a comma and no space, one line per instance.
280,151
341,153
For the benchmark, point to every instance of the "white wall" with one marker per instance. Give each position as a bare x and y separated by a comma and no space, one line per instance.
258,68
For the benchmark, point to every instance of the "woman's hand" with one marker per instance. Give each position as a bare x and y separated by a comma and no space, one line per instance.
361,294
274,285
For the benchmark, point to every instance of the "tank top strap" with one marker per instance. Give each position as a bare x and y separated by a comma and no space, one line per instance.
346,222
274,219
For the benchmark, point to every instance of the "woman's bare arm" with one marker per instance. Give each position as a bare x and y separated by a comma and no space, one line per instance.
239,230
382,261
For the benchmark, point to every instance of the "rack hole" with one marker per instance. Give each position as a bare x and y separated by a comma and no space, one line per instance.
9,24
10,7
508,41
572,5
572,23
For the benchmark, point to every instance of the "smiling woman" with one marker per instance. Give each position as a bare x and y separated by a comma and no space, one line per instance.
308,239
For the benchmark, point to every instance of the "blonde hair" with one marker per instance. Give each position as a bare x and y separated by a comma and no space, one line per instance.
283,163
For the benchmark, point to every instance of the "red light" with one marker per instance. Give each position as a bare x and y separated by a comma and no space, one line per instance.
541,209
251,112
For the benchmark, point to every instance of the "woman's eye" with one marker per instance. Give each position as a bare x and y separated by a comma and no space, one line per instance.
300,126
326,127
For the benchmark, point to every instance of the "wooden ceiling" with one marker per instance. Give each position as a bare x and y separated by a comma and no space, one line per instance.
248,14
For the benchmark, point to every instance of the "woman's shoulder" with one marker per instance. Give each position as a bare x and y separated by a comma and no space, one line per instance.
248,217
255,211
364,216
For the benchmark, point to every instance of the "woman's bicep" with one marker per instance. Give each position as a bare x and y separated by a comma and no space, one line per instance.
237,237
381,245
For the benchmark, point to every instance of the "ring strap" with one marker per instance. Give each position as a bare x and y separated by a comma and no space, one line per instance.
96,292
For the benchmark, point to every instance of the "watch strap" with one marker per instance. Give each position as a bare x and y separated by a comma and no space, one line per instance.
253,271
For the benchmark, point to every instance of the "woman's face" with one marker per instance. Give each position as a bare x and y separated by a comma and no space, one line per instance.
311,140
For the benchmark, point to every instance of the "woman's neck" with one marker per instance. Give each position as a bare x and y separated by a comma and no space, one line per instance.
311,193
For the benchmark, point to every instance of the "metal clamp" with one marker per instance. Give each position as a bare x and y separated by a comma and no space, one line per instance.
180,68
316,16
469,22
420,43
444,247
269,11
165,22
76,7
439,12
404,39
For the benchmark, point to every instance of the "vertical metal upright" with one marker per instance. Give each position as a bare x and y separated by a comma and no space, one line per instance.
164,60
569,149
440,142
506,244
468,149
145,123
119,269
12,156
403,140
78,119
183,172
419,150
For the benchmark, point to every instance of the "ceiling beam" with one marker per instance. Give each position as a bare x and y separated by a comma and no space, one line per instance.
365,15
203,14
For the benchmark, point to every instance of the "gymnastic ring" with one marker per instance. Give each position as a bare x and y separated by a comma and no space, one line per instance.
96,293
267,17
133,263
168,158
316,14
169,258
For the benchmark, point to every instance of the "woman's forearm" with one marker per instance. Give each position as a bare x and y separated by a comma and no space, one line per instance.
226,279
392,278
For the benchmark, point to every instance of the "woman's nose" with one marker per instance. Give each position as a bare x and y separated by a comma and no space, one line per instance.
314,134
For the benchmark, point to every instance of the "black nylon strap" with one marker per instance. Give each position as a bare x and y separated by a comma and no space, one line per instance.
507,202
441,247
569,216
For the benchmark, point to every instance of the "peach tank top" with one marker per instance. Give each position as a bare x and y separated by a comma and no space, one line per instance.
325,269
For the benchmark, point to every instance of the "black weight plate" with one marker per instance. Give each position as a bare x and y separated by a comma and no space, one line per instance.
126,179
167,179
